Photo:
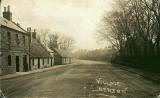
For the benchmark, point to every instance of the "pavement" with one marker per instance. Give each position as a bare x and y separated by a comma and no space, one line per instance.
18,74
83,79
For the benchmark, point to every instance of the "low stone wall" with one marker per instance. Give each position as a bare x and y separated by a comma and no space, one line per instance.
4,70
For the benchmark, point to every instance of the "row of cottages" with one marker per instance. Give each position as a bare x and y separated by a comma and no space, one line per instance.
19,49
40,57
62,57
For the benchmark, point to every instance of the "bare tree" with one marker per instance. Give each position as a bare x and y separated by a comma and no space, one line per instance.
42,36
53,40
132,27
66,43
154,7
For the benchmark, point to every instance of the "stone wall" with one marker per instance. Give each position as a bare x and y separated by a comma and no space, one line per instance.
8,70
13,45
13,48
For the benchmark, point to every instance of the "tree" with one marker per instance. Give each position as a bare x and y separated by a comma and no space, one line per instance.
154,7
133,27
66,43
42,36
55,40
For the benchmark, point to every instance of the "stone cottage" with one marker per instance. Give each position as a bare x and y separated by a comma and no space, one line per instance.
61,57
14,45
40,57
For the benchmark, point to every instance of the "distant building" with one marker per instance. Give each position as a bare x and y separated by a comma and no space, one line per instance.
40,57
61,57
14,45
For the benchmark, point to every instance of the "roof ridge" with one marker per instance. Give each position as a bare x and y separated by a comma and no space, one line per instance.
18,25
42,47
11,24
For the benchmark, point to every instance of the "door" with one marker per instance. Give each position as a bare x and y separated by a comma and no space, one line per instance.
17,63
51,62
38,62
25,65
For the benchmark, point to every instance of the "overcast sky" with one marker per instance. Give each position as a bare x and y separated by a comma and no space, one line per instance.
77,18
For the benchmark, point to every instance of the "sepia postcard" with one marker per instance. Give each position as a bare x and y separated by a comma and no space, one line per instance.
79,48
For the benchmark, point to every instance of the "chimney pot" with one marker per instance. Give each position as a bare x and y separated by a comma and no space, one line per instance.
30,34
18,24
34,30
8,8
4,9
34,34
29,29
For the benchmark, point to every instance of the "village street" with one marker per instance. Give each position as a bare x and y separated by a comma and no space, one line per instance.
81,79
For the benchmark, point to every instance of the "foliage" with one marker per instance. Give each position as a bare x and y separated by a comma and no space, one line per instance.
98,54
150,64
133,27
55,40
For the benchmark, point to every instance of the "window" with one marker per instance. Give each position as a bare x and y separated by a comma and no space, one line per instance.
64,59
43,61
17,39
9,60
48,60
9,36
24,41
33,61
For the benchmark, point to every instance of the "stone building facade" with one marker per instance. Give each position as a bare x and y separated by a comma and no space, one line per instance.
20,51
14,45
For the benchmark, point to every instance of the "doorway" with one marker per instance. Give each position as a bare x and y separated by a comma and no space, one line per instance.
38,62
17,63
25,65
51,62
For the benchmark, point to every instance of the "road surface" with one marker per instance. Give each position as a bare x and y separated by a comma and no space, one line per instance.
84,79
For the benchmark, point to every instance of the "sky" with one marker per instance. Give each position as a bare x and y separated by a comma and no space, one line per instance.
76,18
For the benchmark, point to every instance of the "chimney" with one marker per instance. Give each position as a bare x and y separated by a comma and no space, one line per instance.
30,34
7,13
5,9
34,34
8,8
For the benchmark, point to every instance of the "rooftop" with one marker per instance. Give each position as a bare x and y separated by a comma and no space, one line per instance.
11,25
38,50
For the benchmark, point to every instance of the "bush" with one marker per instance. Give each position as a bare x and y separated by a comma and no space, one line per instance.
151,64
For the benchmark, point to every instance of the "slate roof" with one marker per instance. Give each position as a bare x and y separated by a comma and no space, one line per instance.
61,53
38,50
11,25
